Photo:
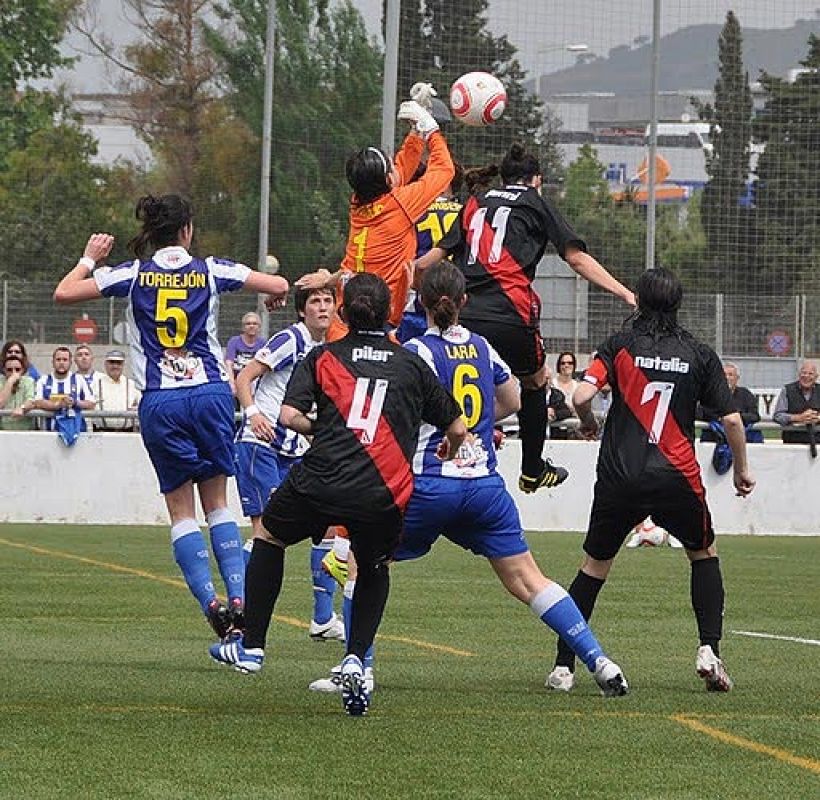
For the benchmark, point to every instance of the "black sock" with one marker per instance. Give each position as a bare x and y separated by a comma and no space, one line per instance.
263,582
532,430
369,600
584,591
707,601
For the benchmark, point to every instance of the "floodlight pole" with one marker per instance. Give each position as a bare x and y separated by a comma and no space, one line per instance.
391,75
267,136
653,135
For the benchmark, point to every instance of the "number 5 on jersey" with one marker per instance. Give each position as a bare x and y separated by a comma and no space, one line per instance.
167,313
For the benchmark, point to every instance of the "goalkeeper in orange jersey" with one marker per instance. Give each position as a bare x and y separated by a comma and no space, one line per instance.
385,206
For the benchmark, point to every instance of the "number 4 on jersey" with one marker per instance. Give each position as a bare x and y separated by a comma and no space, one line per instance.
364,416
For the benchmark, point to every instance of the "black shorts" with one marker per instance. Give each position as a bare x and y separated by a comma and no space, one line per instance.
291,516
616,511
518,344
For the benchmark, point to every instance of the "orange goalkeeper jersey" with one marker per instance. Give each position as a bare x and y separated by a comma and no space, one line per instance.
382,237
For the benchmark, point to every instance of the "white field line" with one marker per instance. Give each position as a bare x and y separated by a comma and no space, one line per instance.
797,639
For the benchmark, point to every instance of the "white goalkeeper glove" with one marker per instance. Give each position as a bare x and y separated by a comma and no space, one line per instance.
421,118
423,94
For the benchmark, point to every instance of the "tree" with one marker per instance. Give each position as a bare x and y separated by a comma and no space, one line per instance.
30,31
788,187
440,40
327,90
725,222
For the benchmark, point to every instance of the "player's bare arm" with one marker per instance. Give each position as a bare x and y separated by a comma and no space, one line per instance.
582,400
294,419
322,278
248,375
454,437
590,269
507,398
275,287
78,285
736,436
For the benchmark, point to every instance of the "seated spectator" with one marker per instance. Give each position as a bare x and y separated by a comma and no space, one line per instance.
557,408
242,348
16,395
743,401
798,404
84,363
14,347
115,392
62,390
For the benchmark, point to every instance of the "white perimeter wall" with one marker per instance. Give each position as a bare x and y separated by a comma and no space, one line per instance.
106,478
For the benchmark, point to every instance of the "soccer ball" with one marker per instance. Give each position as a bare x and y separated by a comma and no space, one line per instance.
648,534
478,98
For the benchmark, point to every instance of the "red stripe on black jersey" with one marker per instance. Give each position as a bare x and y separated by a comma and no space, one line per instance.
385,451
672,442
506,271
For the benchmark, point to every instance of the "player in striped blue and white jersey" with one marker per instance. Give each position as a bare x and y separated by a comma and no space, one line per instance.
266,450
186,410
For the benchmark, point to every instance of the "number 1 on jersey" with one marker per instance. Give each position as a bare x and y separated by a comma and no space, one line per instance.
360,240
664,390
499,226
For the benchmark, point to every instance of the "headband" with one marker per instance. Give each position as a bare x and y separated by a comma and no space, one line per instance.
381,156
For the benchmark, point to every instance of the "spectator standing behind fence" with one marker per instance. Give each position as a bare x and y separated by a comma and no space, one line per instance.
564,381
84,363
242,348
14,347
744,402
62,390
115,392
16,395
799,404
557,407
186,411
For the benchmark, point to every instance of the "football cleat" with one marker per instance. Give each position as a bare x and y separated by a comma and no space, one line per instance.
333,629
335,567
333,683
355,695
609,677
234,654
561,679
711,669
551,476
219,618
236,615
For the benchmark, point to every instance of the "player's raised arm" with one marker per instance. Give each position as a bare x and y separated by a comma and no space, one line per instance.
78,285
274,286
593,271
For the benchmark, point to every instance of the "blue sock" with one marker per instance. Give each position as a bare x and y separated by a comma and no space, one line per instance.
226,542
191,554
324,586
558,610
347,611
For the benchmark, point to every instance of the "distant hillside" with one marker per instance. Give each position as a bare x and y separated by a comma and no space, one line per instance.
688,61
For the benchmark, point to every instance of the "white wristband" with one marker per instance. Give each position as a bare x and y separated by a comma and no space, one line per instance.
252,410
89,262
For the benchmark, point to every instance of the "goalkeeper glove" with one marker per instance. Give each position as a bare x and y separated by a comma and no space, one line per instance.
423,94
421,118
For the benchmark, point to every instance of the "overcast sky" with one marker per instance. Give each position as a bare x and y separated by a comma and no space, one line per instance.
540,29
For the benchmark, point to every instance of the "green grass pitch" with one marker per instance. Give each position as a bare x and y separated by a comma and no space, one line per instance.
106,690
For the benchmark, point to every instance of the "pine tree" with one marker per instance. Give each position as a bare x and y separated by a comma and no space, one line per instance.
788,188
726,223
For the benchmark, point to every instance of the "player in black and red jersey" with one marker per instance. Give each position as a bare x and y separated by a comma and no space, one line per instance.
647,465
371,396
500,239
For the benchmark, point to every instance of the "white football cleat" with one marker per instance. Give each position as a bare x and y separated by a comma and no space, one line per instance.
711,669
333,683
332,630
609,677
561,679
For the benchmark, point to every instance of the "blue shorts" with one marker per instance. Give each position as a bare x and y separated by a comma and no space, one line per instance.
259,470
188,433
477,514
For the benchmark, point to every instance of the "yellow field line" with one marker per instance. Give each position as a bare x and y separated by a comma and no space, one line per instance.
178,583
747,744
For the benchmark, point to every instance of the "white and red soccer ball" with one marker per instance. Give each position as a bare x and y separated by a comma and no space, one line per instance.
478,98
